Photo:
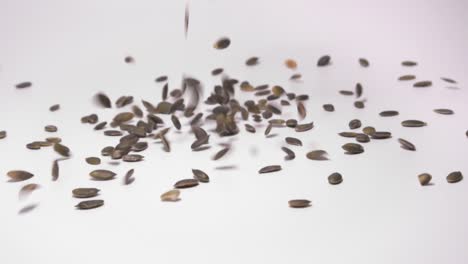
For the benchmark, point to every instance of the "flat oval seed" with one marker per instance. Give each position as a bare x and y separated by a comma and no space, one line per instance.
335,178
290,154
454,177
251,61
50,128
444,111
406,144
368,130
348,134
317,155
299,203
364,62
200,175
424,178
19,175
23,85
85,192
328,107
324,61
3,134
54,107
409,63
353,148
186,183
171,196
381,135
449,80
132,158
222,43
102,175
413,123
354,124
93,160
293,141
362,138
422,84
407,77
304,127
269,169
388,113
62,149
90,204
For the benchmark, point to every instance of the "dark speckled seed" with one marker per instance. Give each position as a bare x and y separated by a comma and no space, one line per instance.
328,107
335,178
454,177
354,124
324,61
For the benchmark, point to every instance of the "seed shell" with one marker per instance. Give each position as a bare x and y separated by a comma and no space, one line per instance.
186,183
271,168
85,192
454,177
335,178
102,175
90,204
299,203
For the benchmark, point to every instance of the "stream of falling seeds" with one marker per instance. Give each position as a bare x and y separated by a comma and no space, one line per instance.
226,114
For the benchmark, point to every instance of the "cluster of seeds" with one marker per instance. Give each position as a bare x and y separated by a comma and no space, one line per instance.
225,115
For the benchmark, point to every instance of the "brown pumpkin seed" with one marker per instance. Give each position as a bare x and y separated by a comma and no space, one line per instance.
85,192
454,177
406,144
217,71
335,178
186,183
90,204
317,155
359,104
290,154
291,123
132,158
444,111
123,117
222,43
299,203
424,178
354,124
200,175
422,84
62,149
301,110
171,196
293,141
33,145
3,134
19,175
324,61
102,175
23,85
413,123
176,122
268,129
113,133
348,134
353,148
100,126
107,151
271,168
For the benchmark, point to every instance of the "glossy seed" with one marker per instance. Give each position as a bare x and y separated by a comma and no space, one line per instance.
19,175
324,61
335,178
23,85
103,100
381,135
85,192
252,61
176,122
222,43
50,128
293,141
358,89
364,62
444,111
186,183
171,196
353,148
422,84
409,63
299,203
301,110
413,123
200,175
388,113
291,123
405,144
454,177
408,77
304,127
328,107
354,124
90,204
128,179
54,107
317,155
424,178
271,168
102,175
362,138
291,64
62,149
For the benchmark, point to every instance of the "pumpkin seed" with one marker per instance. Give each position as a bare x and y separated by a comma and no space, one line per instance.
424,178
186,183
90,204
103,100
85,192
408,77
102,175
50,128
54,107
358,89
3,134
362,138
299,203
271,168
368,130
27,189
250,128
409,63
454,177
381,135
346,92
348,134
132,158
304,127
62,149
252,61
317,155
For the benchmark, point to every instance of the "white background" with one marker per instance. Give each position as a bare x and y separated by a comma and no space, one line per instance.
379,214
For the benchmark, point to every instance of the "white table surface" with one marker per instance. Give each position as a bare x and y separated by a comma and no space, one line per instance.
379,214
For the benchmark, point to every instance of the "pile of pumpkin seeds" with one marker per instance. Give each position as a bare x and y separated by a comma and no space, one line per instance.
225,118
